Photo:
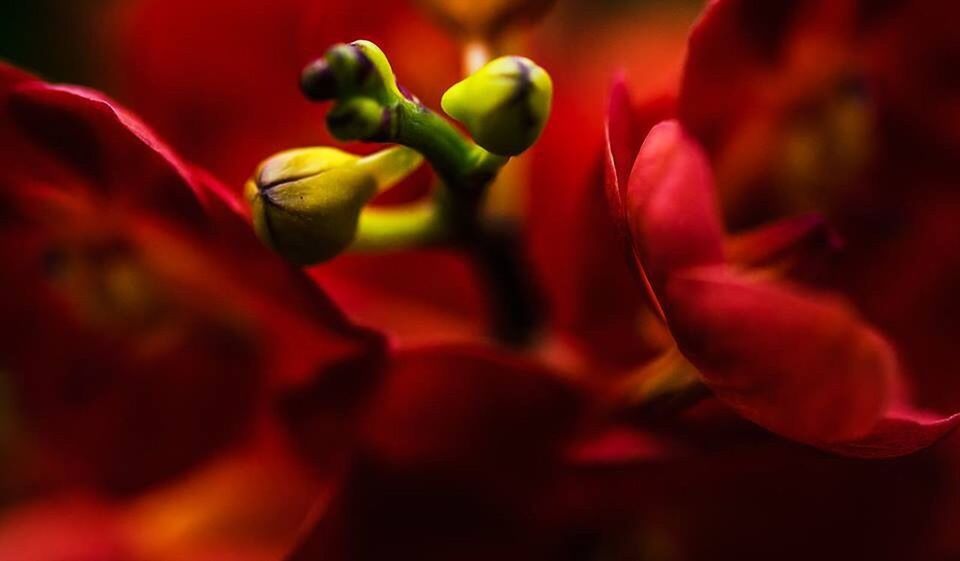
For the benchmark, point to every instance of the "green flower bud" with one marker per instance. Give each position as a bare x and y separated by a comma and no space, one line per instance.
358,69
359,118
306,203
504,105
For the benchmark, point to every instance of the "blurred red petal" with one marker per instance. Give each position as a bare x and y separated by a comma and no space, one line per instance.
77,528
468,408
456,450
786,240
140,305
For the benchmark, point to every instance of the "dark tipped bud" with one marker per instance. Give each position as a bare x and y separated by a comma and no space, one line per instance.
358,69
317,82
306,203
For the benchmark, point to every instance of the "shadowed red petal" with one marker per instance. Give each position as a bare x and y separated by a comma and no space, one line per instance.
468,408
732,44
456,447
63,529
786,240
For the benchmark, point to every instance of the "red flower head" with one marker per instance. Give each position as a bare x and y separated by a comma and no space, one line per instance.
800,363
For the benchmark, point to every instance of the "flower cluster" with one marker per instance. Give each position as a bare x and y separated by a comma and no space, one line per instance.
721,327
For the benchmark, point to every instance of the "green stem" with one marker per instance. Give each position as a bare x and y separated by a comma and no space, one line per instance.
461,164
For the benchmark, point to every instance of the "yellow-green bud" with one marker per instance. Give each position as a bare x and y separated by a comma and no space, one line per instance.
306,203
359,118
504,105
350,70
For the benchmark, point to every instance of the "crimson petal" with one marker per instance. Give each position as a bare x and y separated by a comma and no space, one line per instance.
802,365
785,240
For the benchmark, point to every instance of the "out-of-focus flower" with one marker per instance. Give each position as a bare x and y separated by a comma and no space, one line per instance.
143,325
826,114
245,505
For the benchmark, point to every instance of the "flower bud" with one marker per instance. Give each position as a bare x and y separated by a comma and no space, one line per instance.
504,105
358,69
306,203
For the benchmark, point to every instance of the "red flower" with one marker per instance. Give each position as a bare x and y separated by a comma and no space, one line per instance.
846,110
800,363
141,315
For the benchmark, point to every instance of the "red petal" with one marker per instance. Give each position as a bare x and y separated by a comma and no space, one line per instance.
802,365
731,47
671,205
782,241
902,431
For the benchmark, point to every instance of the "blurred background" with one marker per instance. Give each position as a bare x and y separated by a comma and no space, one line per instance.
217,79
156,57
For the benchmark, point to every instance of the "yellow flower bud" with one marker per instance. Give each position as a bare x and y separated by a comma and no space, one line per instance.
306,203
504,105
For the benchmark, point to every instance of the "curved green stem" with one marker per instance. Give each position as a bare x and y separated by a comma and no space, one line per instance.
461,164
374,109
